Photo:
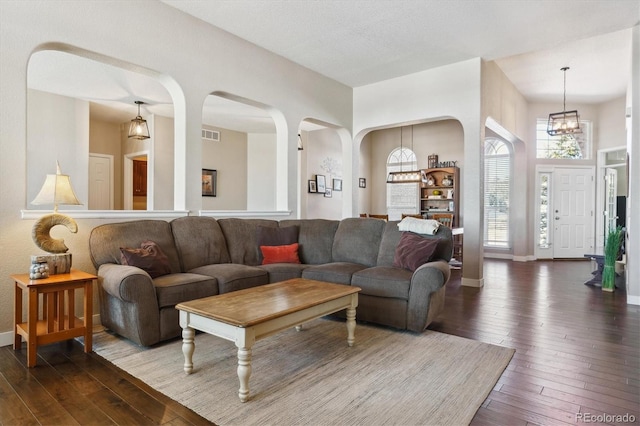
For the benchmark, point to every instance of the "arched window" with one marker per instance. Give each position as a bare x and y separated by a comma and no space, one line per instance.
497,188
402,197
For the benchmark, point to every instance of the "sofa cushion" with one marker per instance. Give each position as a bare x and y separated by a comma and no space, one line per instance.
315,239
335,272
105,240
414,251
149,257
280,254
384,281
241,238
357,240
199,241
232,277
270,236
283,271
177,288
391,238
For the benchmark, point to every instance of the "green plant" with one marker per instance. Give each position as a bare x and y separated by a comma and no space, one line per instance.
611,252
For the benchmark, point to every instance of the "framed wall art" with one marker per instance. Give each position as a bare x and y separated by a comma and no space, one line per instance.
362,183
312,186
321,183
337,184
209,182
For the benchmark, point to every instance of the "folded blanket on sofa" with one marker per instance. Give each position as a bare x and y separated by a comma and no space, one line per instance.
419,226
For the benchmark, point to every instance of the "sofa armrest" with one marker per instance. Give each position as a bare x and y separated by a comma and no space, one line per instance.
426,294
127,283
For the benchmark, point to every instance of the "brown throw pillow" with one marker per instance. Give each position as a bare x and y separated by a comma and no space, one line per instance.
414,251
149,257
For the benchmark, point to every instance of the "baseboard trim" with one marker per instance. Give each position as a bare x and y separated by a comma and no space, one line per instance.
6,338
633,300
468,282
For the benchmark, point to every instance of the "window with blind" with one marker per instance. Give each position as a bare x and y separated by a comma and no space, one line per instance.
497,184
402,197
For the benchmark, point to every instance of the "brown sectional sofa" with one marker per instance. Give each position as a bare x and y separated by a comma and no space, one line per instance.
208,257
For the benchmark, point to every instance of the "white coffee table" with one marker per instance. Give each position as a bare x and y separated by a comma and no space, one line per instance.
245,316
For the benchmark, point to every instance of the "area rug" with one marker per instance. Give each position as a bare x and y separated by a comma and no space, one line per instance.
312,377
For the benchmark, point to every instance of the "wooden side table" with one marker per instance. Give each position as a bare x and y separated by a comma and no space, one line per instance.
58,321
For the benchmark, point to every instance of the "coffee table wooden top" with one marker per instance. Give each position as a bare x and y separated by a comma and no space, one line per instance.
248,307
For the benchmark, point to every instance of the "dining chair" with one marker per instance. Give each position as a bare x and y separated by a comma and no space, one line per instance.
380,216
445,219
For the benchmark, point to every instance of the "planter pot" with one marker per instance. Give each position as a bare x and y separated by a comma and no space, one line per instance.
609,278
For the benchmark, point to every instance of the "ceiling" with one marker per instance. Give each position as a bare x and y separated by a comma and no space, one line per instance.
358,42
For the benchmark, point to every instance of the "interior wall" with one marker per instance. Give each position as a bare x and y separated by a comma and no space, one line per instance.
229,157
104,138
324,157
261,171
60,134
364,194
163,158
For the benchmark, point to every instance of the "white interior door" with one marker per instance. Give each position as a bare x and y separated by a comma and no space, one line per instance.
572,216
100,182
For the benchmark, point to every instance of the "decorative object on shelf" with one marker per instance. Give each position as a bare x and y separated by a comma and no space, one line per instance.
430,181
564,122
450,194
138,128
209,183
433,161
337,184
404,176
362,182
321,183
611,252
56,190
447,181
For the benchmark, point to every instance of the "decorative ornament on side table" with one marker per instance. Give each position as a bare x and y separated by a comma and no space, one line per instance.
611,253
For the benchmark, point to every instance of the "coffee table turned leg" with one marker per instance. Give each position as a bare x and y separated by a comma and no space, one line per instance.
188,346
351,326
244,372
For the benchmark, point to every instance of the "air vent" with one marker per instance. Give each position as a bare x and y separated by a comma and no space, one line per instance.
211,135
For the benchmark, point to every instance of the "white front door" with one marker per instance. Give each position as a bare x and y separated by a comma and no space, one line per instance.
100,182
573,212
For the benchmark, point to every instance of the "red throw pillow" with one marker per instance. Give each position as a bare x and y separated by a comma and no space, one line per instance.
280,254
149,257
414,251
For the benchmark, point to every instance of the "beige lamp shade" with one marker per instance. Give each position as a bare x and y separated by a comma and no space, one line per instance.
56,190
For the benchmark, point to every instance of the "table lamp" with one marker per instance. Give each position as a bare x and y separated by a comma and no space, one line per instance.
56,190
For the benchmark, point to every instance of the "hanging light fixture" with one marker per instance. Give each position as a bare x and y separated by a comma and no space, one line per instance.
300,147
408,176
138,128
565,122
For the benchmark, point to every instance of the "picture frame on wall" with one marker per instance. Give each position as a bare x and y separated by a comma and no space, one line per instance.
337,184
321,183
362,183
312,186
209,182
328,193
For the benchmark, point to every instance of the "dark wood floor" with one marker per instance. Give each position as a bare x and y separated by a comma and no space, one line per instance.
577,351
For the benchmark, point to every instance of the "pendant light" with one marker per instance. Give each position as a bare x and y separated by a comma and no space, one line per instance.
409,176
138,128
565,122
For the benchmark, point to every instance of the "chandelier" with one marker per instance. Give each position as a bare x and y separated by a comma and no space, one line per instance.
565,122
